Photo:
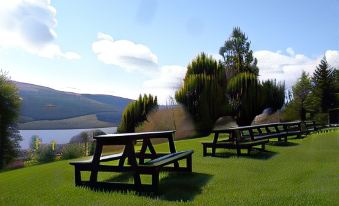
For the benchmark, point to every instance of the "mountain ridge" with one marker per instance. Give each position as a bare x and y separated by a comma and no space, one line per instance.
40,103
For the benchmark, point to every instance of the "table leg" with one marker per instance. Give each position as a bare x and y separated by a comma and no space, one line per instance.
215,141
95,164
133,162
172,149
146,143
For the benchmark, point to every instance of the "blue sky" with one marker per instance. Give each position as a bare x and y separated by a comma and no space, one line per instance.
125,48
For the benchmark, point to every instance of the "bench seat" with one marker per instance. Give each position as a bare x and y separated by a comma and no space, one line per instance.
105,158
168,159
234,145
272,135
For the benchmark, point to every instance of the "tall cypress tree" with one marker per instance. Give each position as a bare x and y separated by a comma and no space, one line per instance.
324,81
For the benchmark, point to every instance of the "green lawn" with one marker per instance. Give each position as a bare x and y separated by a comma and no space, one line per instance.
305,172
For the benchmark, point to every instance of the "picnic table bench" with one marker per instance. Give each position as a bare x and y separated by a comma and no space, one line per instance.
155,163
246,137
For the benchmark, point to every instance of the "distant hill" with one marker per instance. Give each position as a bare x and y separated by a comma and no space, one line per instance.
43,103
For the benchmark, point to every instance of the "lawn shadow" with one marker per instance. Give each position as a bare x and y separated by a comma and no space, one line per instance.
173,187
254,154
182,186
283,144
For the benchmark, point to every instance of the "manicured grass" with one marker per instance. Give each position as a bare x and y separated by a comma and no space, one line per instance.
304,172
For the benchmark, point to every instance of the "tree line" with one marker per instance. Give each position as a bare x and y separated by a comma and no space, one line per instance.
212,88
313,96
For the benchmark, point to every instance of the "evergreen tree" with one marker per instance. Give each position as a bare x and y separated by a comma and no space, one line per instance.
136,112
9,111
203,92
247,95
301,92
324,81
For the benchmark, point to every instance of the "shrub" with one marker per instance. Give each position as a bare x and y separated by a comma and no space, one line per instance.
321,118
45,154
71,151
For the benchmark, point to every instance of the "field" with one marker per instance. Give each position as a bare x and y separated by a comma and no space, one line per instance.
303,172
82,122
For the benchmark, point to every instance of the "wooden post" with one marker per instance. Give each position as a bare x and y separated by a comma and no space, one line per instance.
95,163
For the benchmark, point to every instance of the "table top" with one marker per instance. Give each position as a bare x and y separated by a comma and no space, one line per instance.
136,135
256,126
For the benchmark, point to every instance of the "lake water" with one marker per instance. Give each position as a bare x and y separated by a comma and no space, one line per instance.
61,136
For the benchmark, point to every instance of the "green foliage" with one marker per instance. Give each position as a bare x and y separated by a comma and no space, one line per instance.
324,81
321,118
204,92
9,111
230,87
71,151
136,112
35,142
248,97
237,55
45,154
271,95
301,93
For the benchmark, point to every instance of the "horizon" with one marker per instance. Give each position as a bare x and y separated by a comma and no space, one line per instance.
143,47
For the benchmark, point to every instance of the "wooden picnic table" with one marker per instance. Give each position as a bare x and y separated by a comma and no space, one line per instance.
157,161
246,137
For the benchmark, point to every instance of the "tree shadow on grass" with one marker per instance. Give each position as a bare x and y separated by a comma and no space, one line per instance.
173,187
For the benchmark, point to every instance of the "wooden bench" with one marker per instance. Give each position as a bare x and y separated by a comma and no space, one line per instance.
310,126
246,137
138,163
293,128
151,167
268,131
233,145
86,165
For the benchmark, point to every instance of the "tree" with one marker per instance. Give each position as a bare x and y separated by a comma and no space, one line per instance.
301,93
203,93
136,112
324,81
9,111
246,94
35,142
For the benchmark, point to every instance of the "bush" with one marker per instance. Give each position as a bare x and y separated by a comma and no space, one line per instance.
45,154
71,151
321,118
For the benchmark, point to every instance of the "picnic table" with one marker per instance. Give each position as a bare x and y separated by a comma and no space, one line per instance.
156,160
246,137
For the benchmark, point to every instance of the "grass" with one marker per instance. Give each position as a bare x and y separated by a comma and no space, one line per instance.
304,172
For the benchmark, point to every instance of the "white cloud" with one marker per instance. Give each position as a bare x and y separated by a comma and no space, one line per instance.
125,54
30,24
166,82
288,67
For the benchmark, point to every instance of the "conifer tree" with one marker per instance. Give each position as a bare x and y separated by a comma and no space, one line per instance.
324,81
136,112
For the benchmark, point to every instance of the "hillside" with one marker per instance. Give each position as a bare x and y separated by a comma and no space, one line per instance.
43,103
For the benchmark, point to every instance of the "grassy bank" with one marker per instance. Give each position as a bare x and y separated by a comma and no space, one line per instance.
304,172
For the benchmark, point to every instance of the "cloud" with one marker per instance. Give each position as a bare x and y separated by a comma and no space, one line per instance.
288,67
125,54
29,25
166,82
